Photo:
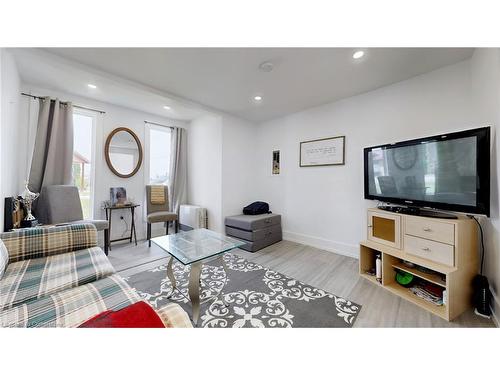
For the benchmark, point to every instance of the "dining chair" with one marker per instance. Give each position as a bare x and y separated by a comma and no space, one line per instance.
158,209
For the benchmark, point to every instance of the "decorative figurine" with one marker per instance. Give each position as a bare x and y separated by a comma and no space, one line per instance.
27,198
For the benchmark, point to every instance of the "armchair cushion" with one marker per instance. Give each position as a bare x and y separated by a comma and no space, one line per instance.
4,258
36,278
43,242
174,316
71,307
99,224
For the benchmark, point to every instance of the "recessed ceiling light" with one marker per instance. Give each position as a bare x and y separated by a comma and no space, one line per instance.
257,98
166,107
266,66
358,54
92,86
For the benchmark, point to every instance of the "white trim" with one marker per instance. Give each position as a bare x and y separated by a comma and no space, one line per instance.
336,247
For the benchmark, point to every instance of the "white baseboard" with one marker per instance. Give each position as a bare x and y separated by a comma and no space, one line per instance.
336,247
495,308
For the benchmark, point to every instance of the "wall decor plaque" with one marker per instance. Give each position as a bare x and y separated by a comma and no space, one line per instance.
321,152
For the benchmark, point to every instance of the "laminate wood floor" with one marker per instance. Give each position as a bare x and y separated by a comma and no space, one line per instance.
337,274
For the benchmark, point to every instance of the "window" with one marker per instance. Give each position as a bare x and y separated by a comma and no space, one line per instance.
159,154
83,151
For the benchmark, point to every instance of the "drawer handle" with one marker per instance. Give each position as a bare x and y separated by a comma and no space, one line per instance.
426,249
267,221
427,230
370,226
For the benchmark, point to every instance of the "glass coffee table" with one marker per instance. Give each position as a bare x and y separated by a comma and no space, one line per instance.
195,248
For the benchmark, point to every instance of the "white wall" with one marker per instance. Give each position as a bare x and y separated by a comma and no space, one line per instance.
485,69
239,185
9,130
324,206
114,117
205,167
221,167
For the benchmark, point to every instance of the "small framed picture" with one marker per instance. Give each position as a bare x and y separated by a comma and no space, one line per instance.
276,162
321,152
118,196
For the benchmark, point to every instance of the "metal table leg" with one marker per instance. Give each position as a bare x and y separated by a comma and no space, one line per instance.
194,286
109,225
133,226
226,270
194,289
170,274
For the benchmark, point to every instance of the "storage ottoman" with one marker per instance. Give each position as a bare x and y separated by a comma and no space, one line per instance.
258,231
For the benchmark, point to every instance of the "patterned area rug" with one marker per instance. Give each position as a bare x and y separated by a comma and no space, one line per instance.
255,296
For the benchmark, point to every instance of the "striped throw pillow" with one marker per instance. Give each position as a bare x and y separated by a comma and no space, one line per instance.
4,258
157,194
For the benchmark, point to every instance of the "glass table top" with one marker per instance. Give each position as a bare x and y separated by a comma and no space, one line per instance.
195,245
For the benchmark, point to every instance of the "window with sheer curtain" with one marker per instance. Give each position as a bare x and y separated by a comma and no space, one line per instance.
159,154
83,160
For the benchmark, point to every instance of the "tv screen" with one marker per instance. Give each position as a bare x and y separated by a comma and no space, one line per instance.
449,172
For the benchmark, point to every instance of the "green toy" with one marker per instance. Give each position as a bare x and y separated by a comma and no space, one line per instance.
404,278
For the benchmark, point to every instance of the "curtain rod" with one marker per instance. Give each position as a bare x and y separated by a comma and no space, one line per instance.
155,123
74,105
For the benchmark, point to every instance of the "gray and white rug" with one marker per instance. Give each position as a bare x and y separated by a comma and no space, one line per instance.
256,296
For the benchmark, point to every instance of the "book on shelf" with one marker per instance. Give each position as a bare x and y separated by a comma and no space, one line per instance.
429,292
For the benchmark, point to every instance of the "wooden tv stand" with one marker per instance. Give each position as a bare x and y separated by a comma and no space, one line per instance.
446,246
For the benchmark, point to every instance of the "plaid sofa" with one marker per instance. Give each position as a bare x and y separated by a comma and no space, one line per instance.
58,277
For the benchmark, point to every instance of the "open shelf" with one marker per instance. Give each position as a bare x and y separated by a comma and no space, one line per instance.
432,278
390,264
367,263
409,296
371,278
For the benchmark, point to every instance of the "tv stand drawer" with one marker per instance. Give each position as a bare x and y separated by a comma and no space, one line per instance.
430,229
434,251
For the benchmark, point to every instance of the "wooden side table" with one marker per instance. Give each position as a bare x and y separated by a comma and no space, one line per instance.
109,212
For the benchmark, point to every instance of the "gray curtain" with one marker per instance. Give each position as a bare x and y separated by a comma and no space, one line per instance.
53,151
178,169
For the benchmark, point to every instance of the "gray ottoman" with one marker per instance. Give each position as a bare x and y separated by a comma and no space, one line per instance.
258,231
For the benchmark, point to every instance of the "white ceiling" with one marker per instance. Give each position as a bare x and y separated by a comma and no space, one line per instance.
46,70
227,79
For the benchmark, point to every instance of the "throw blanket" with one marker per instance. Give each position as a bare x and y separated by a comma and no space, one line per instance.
138,315
157,194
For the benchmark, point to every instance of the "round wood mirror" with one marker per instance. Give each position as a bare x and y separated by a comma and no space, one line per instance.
123,152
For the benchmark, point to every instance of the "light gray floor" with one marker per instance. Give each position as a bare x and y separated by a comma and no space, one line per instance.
335,273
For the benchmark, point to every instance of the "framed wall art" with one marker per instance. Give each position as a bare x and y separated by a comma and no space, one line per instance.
276,162
321,152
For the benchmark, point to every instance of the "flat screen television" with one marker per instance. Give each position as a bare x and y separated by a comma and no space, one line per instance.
446,172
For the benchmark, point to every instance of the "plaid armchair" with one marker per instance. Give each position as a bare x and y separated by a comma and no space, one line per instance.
58,277
44,242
